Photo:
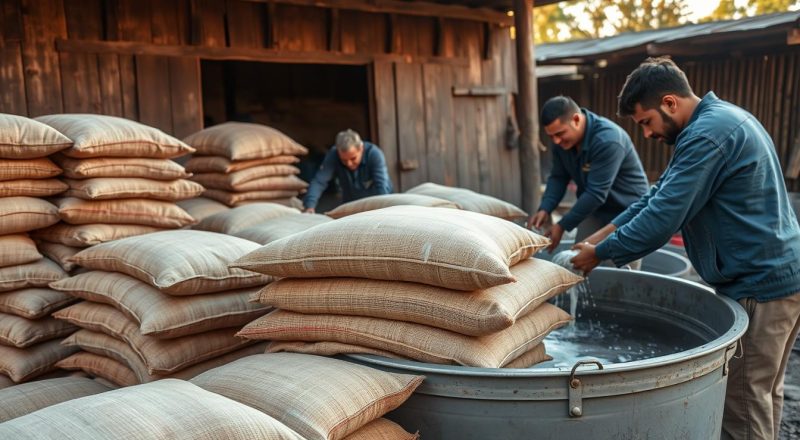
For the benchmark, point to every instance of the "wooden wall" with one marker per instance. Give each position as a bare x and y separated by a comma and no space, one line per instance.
145,65
766,85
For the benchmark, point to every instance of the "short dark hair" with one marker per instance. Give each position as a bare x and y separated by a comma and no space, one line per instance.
558,107
648,83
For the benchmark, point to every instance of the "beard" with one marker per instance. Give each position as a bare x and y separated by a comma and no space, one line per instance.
671,129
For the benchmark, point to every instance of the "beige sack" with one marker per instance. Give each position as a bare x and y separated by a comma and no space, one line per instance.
471,201
233,220
218,164
23,138
387,200
144,212
277,228
272,183
236,198
110,136
17,249
37,274
201,207
158,169
41,168
60,254
29,397
381,429
319,398
442,247
233,179
32,188
89,235
22,364
21,214
33,303
414,341
161,315
476,313
176,262
105,188
21,332
244,141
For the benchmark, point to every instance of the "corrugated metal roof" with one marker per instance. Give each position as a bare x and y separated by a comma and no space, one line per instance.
581,51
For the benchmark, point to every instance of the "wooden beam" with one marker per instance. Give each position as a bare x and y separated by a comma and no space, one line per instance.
479,91
426,9
527,111
793,37
243,53
334,31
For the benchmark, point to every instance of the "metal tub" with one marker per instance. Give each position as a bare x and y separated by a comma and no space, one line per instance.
675,396
661,261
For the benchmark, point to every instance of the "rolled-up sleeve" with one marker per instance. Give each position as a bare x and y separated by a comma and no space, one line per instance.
684,189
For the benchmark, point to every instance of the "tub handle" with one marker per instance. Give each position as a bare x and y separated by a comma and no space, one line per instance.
574,388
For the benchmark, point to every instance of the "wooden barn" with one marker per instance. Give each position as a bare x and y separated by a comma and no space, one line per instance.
436,84
753,62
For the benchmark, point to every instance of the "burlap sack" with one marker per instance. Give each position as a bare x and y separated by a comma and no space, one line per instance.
240,198
244,141
162,315
169,408
176,262
89,235
40,273
22,364
105,188
145,212
236,219
119,351
33,303
29,397
476,313
470,200
272,183
531,358
59,254
17,249
21,214
218,164
319,398
158,169
6,382
437,246
414,341
201,207
20,332
41,168
277,228
382,429
387,200
23,138
160,355
109,136
233,179
100,366
32,188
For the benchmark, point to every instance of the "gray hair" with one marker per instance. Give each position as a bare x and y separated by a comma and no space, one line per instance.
348,139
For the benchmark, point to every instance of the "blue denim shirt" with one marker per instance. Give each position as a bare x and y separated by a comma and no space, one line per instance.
607,171
724,190
371,178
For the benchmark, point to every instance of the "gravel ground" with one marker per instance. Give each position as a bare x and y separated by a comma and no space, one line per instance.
790,423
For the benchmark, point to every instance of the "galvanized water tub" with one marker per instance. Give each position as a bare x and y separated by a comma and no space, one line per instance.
676,396
661,261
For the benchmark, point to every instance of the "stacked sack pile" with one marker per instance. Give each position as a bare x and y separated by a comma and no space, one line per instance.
268,396
242,163
471,201
29,337
160,305
435,285
121,183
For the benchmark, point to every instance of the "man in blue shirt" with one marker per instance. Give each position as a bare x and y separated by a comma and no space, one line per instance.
599,157
723,189
359,167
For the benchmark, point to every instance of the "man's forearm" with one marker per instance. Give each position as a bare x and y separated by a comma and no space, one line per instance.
601,234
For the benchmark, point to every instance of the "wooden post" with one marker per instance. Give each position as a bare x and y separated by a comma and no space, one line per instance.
527,108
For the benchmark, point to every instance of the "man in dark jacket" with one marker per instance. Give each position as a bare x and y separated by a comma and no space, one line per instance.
599,157
724,190
359,167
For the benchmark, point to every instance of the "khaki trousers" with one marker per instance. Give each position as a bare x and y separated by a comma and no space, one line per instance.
754,398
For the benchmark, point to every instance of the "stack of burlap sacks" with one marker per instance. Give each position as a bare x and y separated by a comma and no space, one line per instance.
159,305
266,396
241,163
29,337
434,285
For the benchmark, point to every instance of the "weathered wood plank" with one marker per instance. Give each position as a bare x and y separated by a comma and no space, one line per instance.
185,90
246,24
12,92
411,125
127,75
465,146
439,131
79,71
166,22
152,86
134,20
301,28
386,117
10,22
414,35
43,23
110,84
208,23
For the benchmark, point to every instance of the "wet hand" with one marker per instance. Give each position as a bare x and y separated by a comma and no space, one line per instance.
586,260
554,234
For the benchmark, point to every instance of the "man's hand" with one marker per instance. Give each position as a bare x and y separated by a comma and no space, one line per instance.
554,234
586,260
539,219
309,211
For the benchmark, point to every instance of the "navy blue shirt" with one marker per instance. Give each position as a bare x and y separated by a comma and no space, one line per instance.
371,178
607,171
724,190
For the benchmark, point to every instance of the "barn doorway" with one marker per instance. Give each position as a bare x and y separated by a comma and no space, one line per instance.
308,102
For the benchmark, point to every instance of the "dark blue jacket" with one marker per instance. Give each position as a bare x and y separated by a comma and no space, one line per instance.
724,190
608,173
371,178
